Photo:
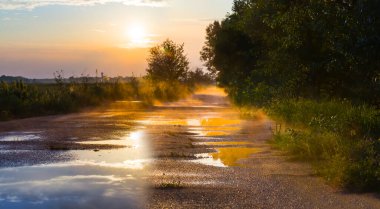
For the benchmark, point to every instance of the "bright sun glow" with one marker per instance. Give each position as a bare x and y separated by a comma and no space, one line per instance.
137,36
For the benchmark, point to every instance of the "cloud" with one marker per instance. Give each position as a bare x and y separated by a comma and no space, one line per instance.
99,30
6,19
146,41
31,4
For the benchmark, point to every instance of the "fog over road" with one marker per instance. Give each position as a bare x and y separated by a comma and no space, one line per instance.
194,153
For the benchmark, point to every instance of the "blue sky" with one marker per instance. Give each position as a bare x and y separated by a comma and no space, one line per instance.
38,37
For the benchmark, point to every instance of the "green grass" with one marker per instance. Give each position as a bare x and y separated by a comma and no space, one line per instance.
341,140
20,100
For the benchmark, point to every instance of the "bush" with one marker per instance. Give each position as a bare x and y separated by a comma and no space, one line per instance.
341,140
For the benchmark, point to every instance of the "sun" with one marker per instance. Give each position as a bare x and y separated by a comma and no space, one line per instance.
136,32
137,36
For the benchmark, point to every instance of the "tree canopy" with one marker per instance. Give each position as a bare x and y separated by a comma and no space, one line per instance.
269,49
168,62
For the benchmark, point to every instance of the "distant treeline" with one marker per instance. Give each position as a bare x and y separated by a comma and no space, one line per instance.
81,79
312,65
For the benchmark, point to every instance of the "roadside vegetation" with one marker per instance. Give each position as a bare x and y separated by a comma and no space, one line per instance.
19,99
313,67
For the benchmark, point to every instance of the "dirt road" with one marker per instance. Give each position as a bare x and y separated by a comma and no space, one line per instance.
195,153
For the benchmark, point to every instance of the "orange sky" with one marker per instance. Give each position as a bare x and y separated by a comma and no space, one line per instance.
39,37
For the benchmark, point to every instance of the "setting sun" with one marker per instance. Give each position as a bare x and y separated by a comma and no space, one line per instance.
137,36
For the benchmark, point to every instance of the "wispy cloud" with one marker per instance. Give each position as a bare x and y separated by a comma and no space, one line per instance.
31,4
99,30
6,19
146,41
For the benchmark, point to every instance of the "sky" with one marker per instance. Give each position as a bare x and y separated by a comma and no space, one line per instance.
39,37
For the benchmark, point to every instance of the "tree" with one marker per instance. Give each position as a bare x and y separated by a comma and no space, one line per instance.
167,62
208,52
270,49
198,76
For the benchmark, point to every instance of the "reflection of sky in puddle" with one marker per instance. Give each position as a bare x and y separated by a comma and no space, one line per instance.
231,155
134,139
222,143
213,126
102,179
226,156
207,126
19,136
136,151
69,186
205,159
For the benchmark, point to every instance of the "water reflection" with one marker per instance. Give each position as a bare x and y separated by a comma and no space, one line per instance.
206,159
224,143
226,156
94,179
133,139
19,136
231,155
70,186
211,126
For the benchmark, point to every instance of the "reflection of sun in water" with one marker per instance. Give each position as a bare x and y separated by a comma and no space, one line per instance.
137,138
137,135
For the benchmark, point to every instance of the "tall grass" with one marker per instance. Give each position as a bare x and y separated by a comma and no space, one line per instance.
163,91
340,139
20,100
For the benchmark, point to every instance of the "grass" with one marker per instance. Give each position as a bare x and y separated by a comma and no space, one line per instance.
251,112
341,140
170,185
20,100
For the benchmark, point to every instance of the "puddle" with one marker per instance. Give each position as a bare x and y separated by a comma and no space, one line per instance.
133,139
231,155
101,179
225,143
212,122
197,125
70,186
136,149
226,156
19,136
205,159
123,158
213,126
164,121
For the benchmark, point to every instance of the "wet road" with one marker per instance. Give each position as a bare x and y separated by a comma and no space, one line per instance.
195,153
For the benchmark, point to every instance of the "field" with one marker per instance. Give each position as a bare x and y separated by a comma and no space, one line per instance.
20,100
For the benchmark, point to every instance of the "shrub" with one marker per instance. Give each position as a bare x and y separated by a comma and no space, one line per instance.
340,139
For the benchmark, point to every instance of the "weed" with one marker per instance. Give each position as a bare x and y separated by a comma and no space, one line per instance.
170,185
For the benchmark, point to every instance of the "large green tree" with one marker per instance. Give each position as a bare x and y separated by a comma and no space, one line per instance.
268,49
168,62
